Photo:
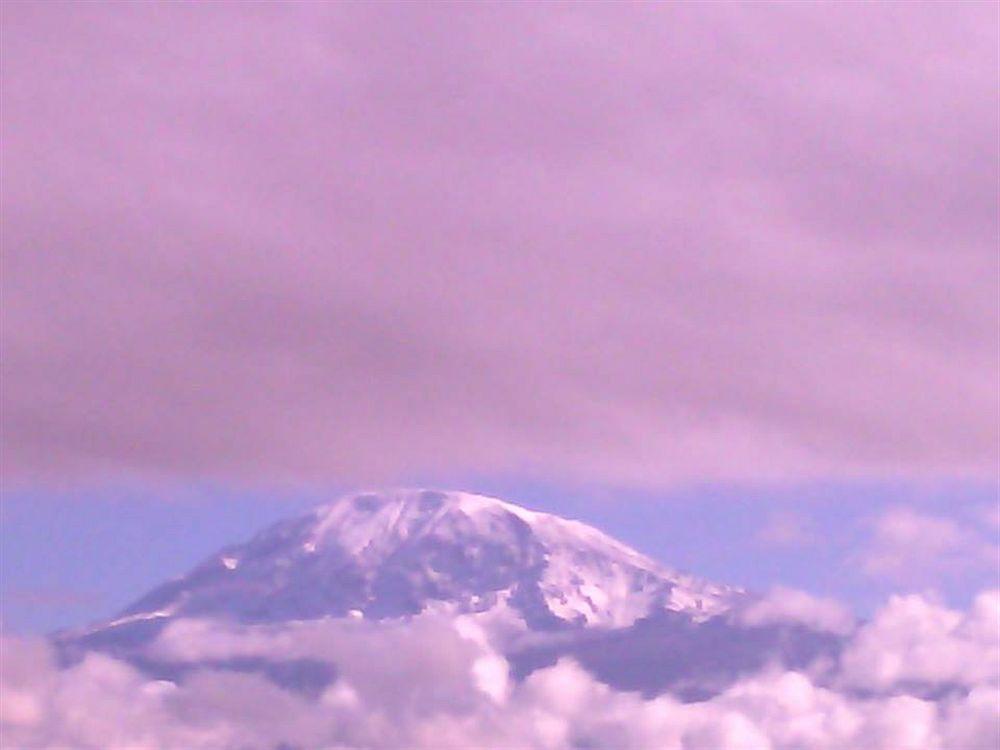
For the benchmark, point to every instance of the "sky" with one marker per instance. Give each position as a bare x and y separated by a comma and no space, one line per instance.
719,278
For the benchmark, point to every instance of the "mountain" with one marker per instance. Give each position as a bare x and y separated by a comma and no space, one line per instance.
565,588
392,554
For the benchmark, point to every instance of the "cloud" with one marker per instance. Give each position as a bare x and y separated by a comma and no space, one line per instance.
912,640
908,544
625,244
391,663
416,687
783,605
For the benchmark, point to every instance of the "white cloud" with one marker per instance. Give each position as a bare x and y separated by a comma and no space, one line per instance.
427,686
912,639
792,605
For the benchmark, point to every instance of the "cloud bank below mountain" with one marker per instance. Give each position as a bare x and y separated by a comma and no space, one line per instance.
918,676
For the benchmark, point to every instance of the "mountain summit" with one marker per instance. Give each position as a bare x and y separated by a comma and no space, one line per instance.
379,555
542,588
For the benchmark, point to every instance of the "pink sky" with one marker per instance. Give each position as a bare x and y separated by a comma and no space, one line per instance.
630,244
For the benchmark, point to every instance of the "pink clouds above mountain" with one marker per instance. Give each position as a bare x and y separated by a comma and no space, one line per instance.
629,244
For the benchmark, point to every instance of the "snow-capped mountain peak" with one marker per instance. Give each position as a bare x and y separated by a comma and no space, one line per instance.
397,553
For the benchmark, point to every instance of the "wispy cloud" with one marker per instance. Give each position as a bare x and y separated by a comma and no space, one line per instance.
908,545
787,529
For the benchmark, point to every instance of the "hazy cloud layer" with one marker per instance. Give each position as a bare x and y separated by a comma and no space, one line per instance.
432,684
615,243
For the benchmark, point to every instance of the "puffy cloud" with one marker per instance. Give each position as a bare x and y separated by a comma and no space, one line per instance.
783,605
404,700
974,721
913,640
358,241
390,663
